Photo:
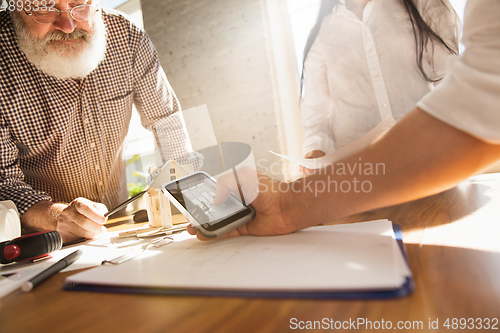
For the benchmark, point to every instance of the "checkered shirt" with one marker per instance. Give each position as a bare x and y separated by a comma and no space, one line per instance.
61,139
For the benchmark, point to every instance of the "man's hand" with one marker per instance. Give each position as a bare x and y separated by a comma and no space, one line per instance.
81,218
311,154
270,219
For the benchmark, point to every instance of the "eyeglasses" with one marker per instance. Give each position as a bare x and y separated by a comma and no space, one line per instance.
47,15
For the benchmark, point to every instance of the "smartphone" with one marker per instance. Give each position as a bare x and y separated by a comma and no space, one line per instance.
194,196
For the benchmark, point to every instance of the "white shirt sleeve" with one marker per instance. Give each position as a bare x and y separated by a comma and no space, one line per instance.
468,98
316,103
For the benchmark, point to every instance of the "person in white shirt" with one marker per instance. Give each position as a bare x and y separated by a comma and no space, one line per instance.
366,60
453,134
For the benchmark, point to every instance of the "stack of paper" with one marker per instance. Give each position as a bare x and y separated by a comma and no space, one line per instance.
361,257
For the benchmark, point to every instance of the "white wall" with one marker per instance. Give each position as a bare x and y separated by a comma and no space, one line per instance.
214,52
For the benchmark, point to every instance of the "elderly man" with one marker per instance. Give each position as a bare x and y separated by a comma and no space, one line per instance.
70,75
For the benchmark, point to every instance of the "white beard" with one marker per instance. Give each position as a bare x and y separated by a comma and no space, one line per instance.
76,60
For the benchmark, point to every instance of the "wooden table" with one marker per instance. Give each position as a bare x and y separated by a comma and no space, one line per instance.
453,243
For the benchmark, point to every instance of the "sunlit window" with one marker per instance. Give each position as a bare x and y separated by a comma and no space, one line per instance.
140,146
303,14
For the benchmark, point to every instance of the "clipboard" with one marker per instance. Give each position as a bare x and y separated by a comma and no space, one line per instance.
87,282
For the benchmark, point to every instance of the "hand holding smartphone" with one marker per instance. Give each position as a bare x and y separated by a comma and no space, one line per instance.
194,196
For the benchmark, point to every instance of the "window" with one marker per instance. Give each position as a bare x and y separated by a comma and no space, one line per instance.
140,147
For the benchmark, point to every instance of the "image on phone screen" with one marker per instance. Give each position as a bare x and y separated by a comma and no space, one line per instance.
196,194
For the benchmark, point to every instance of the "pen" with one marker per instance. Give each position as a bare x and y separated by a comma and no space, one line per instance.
153,176
124,204
52,270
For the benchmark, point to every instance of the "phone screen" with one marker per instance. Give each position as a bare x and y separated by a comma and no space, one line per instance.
196,194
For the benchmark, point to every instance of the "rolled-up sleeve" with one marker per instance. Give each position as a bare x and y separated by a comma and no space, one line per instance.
468,98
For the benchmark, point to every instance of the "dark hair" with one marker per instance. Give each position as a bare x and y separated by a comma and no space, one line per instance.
422,31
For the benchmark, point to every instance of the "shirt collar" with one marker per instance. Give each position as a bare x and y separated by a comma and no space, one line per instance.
342,9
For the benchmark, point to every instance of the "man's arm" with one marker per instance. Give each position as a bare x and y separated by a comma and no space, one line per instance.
81,218
418,157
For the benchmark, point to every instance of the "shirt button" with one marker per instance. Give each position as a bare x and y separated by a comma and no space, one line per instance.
100,183
86,121
92,145
376,76
385,105
97,167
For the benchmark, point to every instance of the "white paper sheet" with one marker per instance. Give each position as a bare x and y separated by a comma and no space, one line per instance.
328,258
362,142
94,252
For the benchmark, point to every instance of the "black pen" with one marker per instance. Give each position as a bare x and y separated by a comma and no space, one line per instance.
52,270
124,204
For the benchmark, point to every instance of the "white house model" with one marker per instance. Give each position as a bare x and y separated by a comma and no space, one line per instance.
157,204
